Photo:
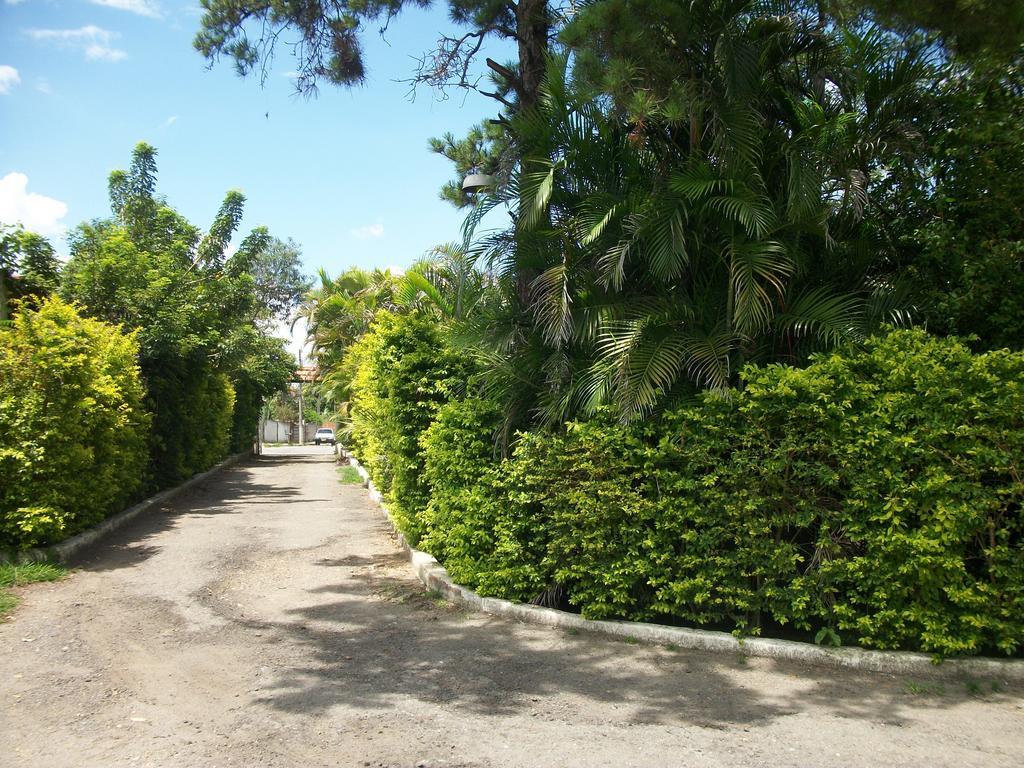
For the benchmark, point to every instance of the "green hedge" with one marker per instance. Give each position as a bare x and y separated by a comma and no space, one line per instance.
403,372
73,427
489,538
192,405
873,497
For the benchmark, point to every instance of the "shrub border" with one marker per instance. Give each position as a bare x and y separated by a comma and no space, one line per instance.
68,548
434,576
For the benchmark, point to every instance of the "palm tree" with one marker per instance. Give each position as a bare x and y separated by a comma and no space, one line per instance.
341,309
667,247
446,283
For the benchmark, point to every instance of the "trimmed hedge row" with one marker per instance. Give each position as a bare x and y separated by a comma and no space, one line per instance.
872,498
192,405
73,425
402,373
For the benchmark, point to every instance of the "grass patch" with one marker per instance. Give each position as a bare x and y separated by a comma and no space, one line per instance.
923,689
973,687
12,575
349,475
981,688
7,603
29,573
437,597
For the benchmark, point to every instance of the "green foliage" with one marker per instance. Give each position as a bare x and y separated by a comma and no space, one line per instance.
668,231
192,408
972,27
284,406
474,524
338,312
29,267
263,366
73,426
404,372
275,269
960,237
486,148
199,314
874,496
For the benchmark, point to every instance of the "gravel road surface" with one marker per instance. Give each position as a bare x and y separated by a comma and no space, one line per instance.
267,618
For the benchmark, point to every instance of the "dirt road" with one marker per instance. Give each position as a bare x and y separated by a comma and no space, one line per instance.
267,619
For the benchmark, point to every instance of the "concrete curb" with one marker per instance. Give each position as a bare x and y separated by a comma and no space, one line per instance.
68,548
434,576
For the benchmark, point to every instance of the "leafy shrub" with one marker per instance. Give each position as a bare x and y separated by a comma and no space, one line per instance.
473,522
599,513
34,525
72,424
192,405
404,373
874,496
927,546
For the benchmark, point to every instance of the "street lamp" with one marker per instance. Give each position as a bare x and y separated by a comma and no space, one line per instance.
477,182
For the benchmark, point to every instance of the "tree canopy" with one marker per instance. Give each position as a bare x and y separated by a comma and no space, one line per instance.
203,315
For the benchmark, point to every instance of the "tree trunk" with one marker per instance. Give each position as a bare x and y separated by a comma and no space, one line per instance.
533,27
3,295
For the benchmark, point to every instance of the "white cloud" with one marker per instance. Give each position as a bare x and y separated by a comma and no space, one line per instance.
103,53
14,2
140,7
169,121
85,34
43,86
9,78
368,231
92,40
37,213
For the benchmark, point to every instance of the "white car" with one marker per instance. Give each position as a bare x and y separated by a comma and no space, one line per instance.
324,435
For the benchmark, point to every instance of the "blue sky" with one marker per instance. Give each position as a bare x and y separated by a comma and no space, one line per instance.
347,175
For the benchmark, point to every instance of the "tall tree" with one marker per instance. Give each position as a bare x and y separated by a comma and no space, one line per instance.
200,321
275,268
690,224
329,45
28,266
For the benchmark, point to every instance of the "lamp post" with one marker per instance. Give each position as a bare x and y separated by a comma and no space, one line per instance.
477,182
302,423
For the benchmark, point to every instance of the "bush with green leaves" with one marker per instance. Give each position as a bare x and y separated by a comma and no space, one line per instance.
73,425
873,497
192,406
404,371
488,538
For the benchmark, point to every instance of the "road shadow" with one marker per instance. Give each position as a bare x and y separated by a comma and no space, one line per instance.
231,491
383,639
